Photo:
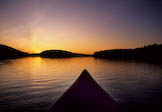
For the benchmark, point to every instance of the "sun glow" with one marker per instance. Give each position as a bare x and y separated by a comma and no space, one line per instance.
37,51
76,26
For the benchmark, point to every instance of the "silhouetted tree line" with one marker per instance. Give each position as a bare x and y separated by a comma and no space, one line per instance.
59,54
7,52
148,52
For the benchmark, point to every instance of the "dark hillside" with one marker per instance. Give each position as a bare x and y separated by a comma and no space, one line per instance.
148,53
9,52
60,54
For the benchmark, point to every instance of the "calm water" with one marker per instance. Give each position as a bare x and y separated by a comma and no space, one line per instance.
34,84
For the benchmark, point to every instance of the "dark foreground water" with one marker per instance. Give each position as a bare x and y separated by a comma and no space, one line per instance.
35,84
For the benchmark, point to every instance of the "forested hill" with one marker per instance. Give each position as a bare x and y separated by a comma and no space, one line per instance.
9,52
149,52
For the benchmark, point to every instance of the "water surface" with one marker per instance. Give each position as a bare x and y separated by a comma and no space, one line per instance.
34,84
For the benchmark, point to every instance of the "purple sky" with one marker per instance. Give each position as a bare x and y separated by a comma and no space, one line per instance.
83,26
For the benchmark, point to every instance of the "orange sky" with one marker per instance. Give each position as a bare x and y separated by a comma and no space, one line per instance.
81,27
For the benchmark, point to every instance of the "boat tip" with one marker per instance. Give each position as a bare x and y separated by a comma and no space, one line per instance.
85,71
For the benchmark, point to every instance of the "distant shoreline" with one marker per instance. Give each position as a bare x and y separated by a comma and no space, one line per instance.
147,53
152,53
10,53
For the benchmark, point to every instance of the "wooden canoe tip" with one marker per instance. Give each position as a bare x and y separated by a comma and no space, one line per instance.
85,71
85,95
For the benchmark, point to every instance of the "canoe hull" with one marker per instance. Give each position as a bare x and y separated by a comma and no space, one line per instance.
85,95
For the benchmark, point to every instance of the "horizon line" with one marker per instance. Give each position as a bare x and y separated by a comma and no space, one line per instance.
33,52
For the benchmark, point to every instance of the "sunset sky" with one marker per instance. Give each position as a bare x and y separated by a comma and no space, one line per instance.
81,26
